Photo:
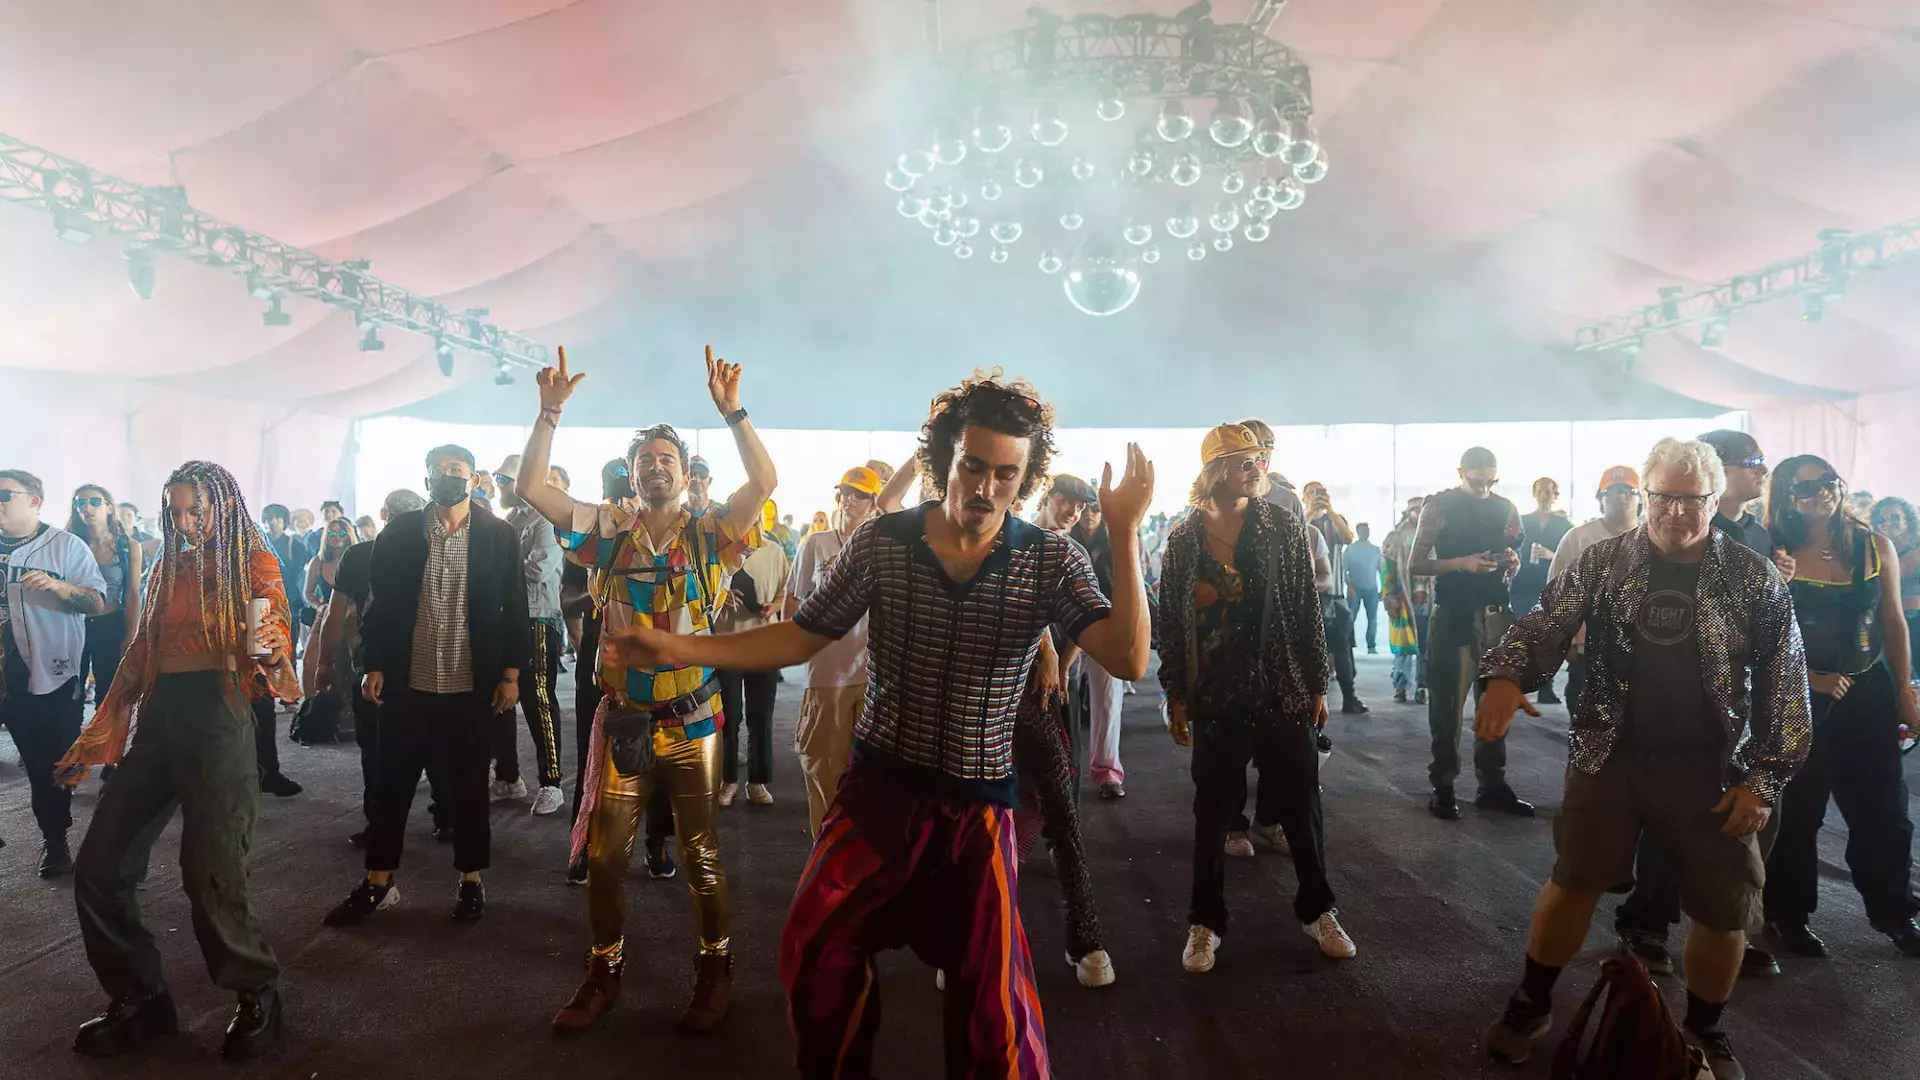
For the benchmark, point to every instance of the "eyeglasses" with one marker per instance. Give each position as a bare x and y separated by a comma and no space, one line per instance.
1688,503
1813,489
91,500
1751,461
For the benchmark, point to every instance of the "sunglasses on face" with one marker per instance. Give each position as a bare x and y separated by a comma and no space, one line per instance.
1678,502
1254,464
91,500
855,493
7,494
1751,461
1813,489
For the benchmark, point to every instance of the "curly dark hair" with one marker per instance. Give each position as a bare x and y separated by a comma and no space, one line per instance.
660,431
992,401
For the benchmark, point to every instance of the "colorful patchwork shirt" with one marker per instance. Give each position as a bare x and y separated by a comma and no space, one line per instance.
676,587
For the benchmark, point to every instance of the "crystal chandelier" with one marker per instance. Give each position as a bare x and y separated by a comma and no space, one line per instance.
1090,146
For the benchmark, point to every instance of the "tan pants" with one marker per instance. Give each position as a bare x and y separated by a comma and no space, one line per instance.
823,738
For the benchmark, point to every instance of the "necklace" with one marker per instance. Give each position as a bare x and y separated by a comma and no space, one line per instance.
12,544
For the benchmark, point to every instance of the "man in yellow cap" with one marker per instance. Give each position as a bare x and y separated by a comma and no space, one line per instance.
836,675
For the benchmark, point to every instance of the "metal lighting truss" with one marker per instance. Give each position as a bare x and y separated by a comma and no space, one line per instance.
83,201
1817,277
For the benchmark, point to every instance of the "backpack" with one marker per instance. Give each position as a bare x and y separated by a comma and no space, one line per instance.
1636,1038
318,720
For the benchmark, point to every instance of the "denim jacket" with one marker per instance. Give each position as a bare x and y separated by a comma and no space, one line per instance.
1753,665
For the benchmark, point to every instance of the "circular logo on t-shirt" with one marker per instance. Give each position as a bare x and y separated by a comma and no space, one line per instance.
1667,617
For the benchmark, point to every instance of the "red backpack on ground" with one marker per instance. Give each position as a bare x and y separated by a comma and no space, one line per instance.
1636,1039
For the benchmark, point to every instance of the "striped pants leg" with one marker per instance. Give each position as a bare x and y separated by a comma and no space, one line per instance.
540,700
897,867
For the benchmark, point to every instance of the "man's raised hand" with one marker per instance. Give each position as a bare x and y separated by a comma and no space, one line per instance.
556,386
1125,504
723,382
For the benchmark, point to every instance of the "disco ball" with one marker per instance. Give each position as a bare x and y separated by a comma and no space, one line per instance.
1175,123
1098,283
1231,123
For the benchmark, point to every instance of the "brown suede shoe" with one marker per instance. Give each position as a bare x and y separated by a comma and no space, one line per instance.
712,993
594,997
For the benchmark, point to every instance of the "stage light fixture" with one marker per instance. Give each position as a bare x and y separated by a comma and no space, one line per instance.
1713,333
258,288
370,341
504,376
1670,301
273,316
71,227
1813,307
443,357
140,272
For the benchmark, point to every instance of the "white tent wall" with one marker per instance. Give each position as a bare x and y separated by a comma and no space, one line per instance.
1873,441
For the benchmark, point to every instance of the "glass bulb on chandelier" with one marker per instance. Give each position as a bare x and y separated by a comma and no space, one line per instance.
1197,250
1150,254
1266,190
1256,231
944,235
911,206
949,149
998,254
1260,210
1302,146
1100,283
1225,217
991,132
1050,261
1072,220
1048,129
1137,232
1028,173
963,250
1005,232
1185,171
939,199
1233,182
898,180
1313,171
915,163
990,189
956,198
1290,195
1175,122
1082,168
1140,164
1231,123
1110,107
1270,138
1223,243
1183,224
966,226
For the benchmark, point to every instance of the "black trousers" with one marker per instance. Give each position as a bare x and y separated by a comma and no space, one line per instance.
43,728
1289,797
746,697
1339,627
540,701
1855,760
1370,601
366,735
414,729
266,752
106,641
586,701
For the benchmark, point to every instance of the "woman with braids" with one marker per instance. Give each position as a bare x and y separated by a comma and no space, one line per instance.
178,713
1846,597
94,520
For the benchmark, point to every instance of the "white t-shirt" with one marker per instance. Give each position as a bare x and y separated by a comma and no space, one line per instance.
50,637
1576,542
842,662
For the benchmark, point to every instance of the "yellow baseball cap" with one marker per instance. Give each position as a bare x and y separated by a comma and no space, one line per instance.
861,479
769,516
1227,440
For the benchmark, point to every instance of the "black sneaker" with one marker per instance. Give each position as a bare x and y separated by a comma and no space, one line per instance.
1510,1039
1353,707
360,904
1758,964
55,859
1504,801
1717,1049
660,864
1798,939
1546,696
279,786
1649,948
255,1028
1904,935
577,871
127,1026
470,902
1443,805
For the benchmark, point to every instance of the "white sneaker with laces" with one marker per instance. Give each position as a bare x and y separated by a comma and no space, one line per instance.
728,792
1275,836
1094,969
548,800
1239,846
502,791
758,795
1333,940
1201,945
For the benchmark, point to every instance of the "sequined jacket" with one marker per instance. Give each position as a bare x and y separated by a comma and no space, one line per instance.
1755,669
1294,668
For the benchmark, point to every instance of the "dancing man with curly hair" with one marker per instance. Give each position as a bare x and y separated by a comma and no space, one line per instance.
178,712
918,847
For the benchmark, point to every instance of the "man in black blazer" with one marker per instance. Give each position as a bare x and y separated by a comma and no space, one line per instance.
445,636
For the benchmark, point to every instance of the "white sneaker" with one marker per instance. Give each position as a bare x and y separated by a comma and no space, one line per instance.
548,800
502,791
1094,969
1275,836
1239,846
727,793
758,795
1333,940
940,980
1201,943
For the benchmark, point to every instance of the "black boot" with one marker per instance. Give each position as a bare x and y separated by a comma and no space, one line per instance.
256,1025
127,1026
1798,939
55,859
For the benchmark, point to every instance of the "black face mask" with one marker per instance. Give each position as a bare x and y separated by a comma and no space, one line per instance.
448,491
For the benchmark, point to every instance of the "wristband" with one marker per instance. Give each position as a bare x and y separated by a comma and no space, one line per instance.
736,416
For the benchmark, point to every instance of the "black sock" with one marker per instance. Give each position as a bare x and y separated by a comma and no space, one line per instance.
1538,984
1703,1015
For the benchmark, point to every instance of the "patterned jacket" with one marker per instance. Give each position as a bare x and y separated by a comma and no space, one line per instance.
1754,667
1295,665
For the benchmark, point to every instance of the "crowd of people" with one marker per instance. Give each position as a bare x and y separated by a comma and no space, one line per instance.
1738,643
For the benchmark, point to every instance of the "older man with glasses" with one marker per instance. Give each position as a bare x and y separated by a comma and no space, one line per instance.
1691,642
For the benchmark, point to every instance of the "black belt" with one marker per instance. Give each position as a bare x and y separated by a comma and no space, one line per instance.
654,712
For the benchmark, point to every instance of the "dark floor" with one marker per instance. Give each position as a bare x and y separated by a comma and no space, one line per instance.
1439,912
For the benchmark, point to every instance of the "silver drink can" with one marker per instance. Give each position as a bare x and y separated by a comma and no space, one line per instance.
256,616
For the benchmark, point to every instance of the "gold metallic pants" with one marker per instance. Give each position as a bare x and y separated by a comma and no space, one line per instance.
690,769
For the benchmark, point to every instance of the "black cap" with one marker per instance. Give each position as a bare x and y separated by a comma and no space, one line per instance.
615,483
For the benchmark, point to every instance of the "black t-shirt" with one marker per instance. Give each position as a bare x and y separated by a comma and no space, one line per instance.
354,577
1667,700
1748,531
